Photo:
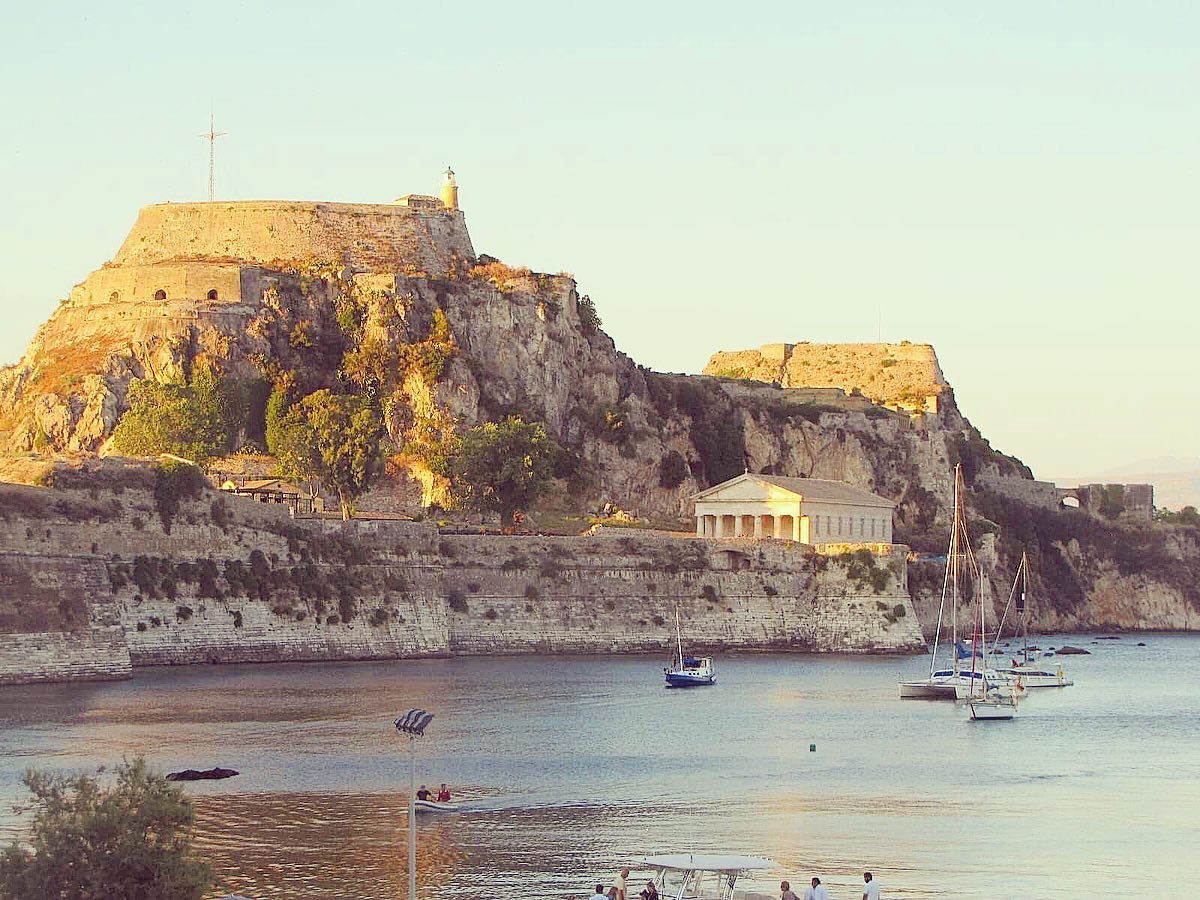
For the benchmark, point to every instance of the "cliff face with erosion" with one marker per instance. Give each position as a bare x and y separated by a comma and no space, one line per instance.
225,579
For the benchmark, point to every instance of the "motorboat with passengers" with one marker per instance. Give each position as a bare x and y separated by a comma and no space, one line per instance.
703,876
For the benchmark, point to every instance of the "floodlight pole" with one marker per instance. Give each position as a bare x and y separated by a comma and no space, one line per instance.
412,817
412,725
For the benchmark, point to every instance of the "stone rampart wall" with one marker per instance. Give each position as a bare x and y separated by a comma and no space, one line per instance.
398,589
362,235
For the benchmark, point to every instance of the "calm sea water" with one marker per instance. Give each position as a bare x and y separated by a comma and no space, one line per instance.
573,766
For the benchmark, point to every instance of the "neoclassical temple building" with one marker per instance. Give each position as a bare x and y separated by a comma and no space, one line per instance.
807,510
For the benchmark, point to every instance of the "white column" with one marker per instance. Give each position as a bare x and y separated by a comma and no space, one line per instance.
737,525
699,526
776,530
758,526
718,525
796,527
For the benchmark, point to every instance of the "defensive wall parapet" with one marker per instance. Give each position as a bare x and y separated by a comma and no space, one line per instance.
289,234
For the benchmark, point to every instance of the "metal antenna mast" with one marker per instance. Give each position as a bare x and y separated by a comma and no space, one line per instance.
211,135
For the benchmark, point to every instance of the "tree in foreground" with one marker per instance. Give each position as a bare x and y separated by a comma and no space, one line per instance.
503,467
130,840
334,437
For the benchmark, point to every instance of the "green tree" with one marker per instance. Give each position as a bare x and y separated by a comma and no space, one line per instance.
503,466
168,418
336,438
91,841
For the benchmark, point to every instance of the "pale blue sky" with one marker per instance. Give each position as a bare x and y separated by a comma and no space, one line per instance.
1016,185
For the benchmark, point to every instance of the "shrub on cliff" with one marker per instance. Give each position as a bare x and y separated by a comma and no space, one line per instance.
502,467
92,841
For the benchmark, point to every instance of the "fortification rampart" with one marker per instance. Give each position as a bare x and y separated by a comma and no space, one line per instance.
276,233
237,581
903,376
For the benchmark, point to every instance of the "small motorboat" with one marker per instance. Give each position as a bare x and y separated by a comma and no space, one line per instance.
683,876
432,806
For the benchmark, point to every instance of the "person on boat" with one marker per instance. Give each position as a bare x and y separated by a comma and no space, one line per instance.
649,892
786,892
444,794
870,887
424,794
818,891
619,885
599,895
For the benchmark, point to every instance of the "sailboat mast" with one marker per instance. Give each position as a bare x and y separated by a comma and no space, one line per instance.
1024,611
678,633
954,548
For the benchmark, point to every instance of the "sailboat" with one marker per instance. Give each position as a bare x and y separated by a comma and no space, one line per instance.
684,670
942,683
986,699
1029,668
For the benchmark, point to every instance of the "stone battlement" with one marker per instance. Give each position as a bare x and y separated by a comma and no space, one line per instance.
292,233
903,376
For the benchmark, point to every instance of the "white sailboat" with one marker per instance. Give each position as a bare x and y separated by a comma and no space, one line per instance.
688,671
944,684
1032,668
991,697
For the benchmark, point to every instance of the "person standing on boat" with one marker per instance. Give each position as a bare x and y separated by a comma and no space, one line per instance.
818,891
424,794
444,794
870,887
619,884
786,892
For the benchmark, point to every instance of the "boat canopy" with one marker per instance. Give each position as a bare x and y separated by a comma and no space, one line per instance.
706,862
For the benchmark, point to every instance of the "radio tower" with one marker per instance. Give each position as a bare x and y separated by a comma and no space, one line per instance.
211,135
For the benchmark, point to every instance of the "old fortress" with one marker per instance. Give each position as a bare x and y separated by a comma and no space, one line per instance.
184,257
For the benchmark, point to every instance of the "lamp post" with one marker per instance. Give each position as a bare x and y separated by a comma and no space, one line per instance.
413,724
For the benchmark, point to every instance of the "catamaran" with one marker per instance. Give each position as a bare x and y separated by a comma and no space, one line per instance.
688,671
702,876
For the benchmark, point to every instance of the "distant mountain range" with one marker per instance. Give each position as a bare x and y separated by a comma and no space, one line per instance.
1176,479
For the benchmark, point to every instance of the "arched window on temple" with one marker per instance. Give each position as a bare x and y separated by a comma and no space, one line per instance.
160,294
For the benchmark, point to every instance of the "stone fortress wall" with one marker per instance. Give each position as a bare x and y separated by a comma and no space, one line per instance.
903,376
295,234
415,592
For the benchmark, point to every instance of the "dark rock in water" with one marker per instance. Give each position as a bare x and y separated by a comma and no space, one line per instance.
1109,638
1141,643
1068,650
206,775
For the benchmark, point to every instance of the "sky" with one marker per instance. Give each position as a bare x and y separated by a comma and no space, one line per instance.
1015,185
